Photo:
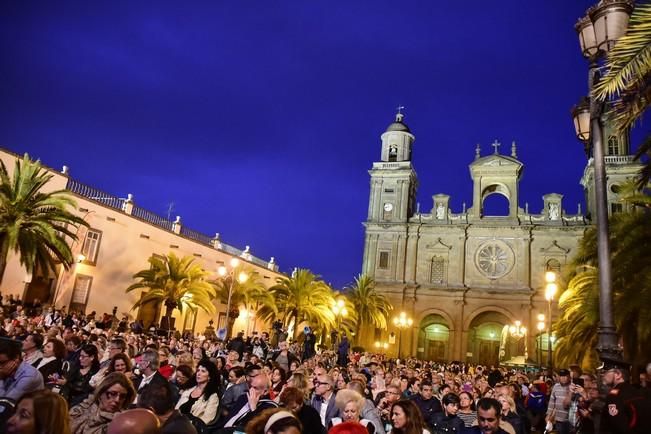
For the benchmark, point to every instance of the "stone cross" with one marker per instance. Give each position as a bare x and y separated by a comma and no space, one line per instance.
495,145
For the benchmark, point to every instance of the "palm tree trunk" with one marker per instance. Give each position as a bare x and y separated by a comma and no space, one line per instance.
4,252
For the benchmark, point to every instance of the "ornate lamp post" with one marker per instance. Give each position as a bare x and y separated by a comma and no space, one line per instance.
229,274
598,31
402,321
550,291
517,329
541,327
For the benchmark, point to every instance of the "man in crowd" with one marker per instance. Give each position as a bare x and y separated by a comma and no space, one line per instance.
251,404
488,418
559,403
160,398
16,377
148,365
324,399
32,348
284,357
628,410
426,401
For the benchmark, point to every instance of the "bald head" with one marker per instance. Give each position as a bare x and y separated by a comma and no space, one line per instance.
135,421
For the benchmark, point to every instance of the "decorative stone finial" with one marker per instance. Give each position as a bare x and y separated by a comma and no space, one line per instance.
64,170
477,152
514,153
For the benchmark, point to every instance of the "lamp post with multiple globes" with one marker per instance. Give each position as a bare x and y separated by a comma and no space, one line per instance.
598,31
402,321
229,275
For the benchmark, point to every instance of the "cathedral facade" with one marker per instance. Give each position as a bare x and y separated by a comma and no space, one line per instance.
466,278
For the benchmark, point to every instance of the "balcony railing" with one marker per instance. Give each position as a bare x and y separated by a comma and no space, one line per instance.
95,194
157,220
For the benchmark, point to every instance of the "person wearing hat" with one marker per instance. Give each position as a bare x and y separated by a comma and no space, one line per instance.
559,403
627,410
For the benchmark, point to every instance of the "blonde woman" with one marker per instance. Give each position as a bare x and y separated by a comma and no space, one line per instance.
350,404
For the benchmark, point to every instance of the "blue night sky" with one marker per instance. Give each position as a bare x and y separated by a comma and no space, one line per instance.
260,119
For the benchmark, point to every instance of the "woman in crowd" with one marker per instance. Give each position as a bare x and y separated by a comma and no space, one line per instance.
76,384
112,396
201,400
183,377
406,418
350,405
165,368
294,400
277,380
51,364
509,414
274,421
466,409
51,416
299,381
448,421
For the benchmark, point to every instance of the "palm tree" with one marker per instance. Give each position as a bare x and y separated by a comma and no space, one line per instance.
302,297
34,224
243,293
626,81
630,235
372,308
176,282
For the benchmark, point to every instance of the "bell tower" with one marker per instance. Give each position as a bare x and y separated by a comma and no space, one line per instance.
392,202
393,179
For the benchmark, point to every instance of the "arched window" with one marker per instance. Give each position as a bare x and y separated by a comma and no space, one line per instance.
613,145
553,265
393,153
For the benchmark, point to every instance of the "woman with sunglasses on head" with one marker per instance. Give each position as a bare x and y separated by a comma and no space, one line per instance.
93,415
76,384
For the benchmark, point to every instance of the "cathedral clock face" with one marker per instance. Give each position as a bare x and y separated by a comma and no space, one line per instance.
494,259
388,207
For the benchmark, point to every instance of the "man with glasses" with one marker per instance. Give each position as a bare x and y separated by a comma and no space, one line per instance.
391,396
250,404
628,410
16,377
426,401
148,366
324,399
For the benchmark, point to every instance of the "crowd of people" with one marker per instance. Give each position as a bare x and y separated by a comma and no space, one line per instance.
72,373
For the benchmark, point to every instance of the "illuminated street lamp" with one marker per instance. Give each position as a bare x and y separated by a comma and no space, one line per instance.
402,321
550,291
517,330
225,273
598,31
541,327
340,311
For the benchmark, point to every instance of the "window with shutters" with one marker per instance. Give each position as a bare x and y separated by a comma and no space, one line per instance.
91,246
80,293
437,273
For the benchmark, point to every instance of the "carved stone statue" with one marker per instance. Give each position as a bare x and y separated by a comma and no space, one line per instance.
553,211
440,212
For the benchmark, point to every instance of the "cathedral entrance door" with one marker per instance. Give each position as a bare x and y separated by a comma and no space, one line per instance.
434,338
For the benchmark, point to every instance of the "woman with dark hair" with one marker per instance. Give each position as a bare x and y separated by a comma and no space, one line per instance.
183,377
51,364
51,417
76,384
466,409
201,400
278,379
114,394
293,399
407,418
448,421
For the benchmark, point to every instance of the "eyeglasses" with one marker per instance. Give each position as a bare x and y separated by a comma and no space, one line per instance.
112,395
392,393
320,383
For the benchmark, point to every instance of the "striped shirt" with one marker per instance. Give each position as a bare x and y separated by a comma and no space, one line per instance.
556,402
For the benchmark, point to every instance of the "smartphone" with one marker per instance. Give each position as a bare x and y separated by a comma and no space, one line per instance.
578,381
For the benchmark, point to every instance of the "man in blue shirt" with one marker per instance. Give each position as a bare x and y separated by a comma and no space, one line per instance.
16,377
